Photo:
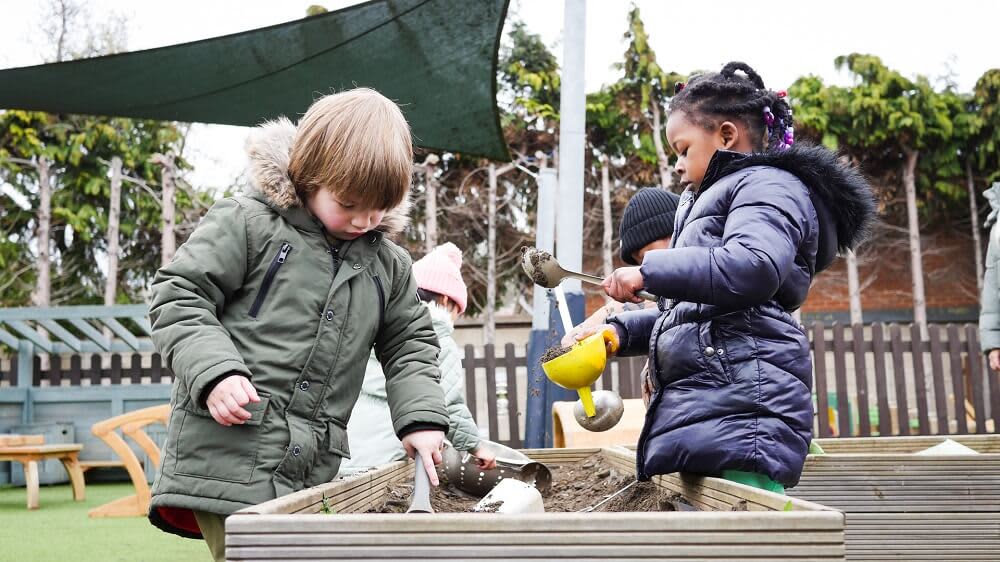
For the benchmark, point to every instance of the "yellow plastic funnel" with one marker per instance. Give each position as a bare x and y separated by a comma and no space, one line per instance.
579,367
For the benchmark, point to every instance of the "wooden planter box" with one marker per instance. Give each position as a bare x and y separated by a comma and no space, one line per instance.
773,528
902,506
888,445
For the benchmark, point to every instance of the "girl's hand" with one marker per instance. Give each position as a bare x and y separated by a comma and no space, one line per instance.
486,459
579,332
227,399
596,319
428,443
623,284
995,359
611,341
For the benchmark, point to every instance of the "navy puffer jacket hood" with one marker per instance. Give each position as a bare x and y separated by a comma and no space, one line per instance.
733,371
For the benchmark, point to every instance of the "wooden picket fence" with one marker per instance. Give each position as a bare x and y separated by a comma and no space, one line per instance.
69,368
875,379
882,368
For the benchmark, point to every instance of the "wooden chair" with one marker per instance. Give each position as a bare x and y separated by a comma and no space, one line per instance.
567,433
131,424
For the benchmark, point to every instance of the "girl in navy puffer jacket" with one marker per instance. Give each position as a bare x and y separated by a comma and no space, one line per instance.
757,221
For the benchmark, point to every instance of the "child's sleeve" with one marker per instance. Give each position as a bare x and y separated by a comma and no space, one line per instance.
634,330
407,347
989,308
189,295
462,429
770,215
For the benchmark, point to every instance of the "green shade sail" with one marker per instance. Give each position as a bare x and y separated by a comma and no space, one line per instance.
436,58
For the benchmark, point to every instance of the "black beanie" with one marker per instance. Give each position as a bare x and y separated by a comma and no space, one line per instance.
648,217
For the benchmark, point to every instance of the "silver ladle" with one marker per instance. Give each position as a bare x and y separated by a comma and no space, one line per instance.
545,271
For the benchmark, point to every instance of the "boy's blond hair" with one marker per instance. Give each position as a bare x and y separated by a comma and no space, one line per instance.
356,144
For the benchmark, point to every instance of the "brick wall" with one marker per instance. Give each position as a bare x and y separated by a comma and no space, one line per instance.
949,282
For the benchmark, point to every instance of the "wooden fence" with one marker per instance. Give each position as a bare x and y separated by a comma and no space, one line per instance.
69,368
875,380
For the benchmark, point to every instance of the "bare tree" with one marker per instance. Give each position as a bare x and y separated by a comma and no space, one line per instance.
662,160
72,34
43,288
490,322
168,238
42,294
854,287
606,254
114,212
977,242
916,261
430,192
490,326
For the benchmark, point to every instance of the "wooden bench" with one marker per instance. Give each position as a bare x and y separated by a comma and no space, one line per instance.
15,440
88,465
30,455
131,425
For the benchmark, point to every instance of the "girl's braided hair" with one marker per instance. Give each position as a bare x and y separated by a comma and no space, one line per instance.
738,97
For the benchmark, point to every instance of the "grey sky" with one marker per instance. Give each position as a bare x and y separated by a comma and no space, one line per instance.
782,41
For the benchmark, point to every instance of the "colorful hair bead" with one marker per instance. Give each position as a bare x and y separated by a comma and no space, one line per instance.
768,116
789,136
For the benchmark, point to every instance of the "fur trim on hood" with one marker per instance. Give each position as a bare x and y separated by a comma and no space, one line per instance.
844,200
268,148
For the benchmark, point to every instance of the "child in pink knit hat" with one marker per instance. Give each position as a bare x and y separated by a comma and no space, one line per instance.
370,432
440,272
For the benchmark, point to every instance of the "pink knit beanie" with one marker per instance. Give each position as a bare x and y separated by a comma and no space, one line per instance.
440,271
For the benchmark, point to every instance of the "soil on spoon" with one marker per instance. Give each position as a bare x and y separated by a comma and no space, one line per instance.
536,258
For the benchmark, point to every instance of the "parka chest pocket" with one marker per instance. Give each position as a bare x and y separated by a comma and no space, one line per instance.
207,449
277,261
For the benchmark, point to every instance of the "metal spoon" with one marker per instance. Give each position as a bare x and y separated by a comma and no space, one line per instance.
545,271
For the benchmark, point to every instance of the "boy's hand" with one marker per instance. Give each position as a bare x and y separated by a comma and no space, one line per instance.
227,399
623,284
428,443
486,459
995,359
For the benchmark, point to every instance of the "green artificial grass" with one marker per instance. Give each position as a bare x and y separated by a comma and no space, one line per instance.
60,531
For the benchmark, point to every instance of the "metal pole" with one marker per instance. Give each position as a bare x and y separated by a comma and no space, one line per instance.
569,219
540,339
572,117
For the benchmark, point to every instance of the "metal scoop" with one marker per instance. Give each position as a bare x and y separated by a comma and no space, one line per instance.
462,472
609,409
420,501
545,271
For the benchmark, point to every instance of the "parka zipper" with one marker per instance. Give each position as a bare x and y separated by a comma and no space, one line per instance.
272,270
381,300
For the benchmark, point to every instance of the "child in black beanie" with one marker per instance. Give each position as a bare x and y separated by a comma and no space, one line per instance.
647,224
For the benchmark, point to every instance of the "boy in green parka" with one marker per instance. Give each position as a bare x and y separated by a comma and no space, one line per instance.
267,314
